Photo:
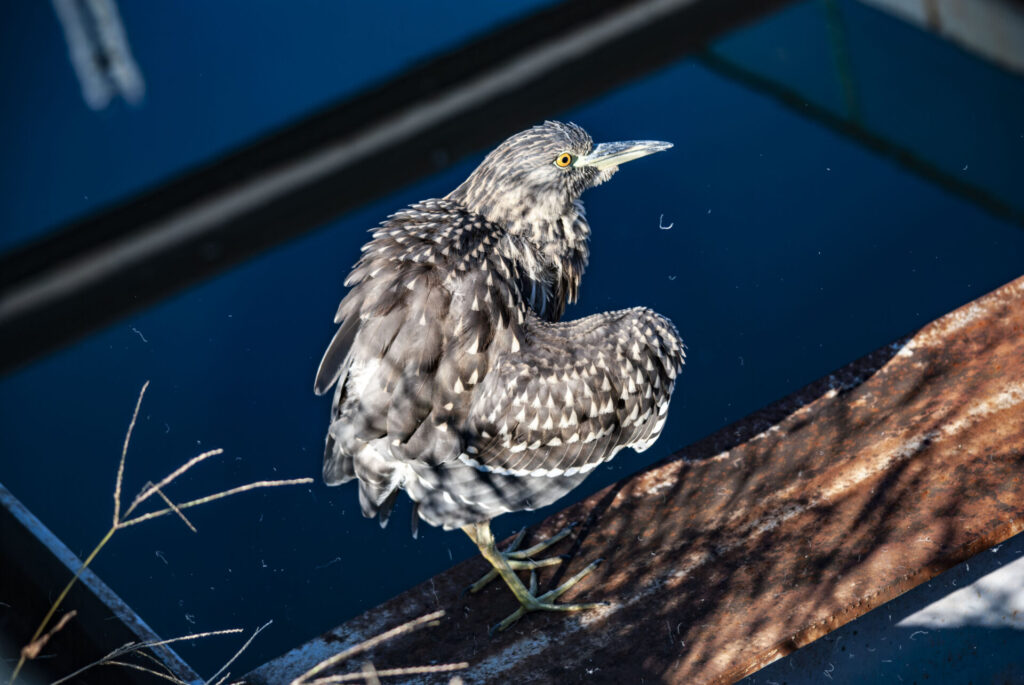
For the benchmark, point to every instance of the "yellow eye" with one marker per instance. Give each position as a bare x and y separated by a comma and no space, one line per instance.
563,160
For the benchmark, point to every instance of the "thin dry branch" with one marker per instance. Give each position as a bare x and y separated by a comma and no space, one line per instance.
32,649
210,498
150,488
372,642
176,510
171,640
160,665
132,647
138,667
38,640
390,672
124,453
230,661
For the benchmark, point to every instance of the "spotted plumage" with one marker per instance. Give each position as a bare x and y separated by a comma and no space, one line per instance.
454,379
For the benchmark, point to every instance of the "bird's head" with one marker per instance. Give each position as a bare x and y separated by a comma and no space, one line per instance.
537,175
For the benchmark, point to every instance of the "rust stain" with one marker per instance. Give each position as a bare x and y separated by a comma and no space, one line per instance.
768,534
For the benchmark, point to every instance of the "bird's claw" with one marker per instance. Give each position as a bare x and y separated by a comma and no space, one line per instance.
545,602
520,559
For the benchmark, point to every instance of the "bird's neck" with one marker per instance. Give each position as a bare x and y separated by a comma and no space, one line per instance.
546,236
550,255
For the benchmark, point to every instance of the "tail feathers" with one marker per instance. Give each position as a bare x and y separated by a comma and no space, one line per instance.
377,500
379,483
380,480
338,466
386,507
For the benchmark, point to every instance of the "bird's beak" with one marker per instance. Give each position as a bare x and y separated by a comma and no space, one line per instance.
607,155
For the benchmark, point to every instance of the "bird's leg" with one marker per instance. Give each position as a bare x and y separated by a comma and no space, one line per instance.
521,559
480,533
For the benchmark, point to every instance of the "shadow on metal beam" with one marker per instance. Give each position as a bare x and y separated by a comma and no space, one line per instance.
98,269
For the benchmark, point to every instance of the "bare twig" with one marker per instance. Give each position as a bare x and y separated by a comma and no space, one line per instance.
191,636
124,453
176,510
57,602
390,672
132,647
148,654
32,649
110,659
341,657
125,520
128,664
216,496
150,488
223,668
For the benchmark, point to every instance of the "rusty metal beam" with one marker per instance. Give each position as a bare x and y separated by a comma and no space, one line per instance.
766,535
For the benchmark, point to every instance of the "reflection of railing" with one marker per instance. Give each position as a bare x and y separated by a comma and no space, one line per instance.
865,137
99,51
993,29
98,269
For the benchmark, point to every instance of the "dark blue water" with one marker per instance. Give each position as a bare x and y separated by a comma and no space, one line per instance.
217,75
793,250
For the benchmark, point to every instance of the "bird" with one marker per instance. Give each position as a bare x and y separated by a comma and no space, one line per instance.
455,379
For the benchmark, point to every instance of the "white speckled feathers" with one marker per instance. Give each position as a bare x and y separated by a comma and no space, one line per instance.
579,393
456,383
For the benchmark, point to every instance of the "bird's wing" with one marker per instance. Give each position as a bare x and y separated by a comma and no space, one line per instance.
335,361
415,330
399,267
575,395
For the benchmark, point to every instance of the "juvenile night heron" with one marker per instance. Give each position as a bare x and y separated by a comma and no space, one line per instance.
454,379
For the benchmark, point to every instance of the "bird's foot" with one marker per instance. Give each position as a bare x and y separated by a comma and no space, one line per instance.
506,563
531,602
520,559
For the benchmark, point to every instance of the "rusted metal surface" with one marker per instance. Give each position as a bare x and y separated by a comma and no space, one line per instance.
764,536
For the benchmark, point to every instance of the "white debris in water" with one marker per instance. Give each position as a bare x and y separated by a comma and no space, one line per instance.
335,560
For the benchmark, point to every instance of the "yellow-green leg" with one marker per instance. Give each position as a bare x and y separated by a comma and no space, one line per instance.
522,559
505,564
